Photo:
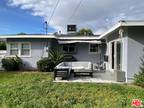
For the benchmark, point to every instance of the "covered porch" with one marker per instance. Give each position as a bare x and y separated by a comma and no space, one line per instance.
87,50
90,51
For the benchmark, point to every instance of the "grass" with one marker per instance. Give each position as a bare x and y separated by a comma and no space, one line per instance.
36,90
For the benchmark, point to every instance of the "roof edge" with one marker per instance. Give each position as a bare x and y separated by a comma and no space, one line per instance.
123,23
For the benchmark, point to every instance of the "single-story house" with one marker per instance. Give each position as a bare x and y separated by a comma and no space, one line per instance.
120,48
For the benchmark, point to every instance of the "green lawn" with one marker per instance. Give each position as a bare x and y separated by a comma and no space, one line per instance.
36,90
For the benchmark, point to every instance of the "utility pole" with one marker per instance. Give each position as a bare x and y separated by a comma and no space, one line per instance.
46,27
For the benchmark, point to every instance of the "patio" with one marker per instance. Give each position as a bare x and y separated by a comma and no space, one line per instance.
98,77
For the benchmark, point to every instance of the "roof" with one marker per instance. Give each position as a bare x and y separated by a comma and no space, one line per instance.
66,37
122,23
27,36
79,41
76,37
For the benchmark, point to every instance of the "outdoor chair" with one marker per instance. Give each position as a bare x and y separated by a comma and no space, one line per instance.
99,66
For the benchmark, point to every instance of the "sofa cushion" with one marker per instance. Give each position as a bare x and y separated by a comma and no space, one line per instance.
77,66
84,65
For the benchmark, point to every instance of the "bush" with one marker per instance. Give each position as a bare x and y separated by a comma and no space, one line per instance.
45,65
11,63
56,56
48,64
139,78
2,46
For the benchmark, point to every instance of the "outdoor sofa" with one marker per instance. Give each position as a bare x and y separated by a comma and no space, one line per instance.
78,68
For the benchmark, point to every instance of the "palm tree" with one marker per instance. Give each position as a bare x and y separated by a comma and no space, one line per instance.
85,32
56,56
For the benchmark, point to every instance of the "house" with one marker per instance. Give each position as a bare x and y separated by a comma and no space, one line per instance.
120,48
125,47
31,48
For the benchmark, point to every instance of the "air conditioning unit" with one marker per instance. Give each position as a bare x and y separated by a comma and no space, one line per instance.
71,29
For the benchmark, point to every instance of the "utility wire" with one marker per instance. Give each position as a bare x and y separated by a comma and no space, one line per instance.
75,10
58,1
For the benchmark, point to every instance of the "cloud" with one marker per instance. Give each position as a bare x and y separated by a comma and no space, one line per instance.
98,15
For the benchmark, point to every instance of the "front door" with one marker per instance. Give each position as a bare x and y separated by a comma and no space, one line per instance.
112,55
116,55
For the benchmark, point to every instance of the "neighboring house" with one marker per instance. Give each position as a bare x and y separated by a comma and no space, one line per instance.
120,48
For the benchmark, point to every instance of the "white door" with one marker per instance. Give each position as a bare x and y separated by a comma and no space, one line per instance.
116,55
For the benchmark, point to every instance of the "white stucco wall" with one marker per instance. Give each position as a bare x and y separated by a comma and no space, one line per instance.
82,53
135,50
38,50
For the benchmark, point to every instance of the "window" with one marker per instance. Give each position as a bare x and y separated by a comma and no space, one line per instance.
25,49
20,49
94,48
14,49
69,48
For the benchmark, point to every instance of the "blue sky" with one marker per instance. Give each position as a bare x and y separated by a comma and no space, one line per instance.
99,15
14,20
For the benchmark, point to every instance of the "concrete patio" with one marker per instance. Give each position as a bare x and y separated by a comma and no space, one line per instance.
98,77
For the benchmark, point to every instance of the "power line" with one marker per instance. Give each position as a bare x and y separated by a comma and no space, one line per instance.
58,1
75,10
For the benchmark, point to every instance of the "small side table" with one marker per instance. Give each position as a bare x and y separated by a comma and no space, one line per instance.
62,72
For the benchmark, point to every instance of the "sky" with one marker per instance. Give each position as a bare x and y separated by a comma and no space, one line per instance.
28,16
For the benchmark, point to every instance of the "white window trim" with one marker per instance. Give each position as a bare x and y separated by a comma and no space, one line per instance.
19,49
110,52
10,48
20,44
99,50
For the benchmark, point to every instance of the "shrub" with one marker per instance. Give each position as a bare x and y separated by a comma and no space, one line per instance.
56,56
2,46
11,63
45,65
48,64
139,78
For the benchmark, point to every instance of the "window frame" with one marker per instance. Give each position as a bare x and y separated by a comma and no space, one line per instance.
10,48
19,49
97,52
68,46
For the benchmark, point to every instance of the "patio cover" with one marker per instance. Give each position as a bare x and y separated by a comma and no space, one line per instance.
78,41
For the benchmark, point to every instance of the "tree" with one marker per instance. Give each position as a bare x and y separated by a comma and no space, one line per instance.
21,33
86,32
2,46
